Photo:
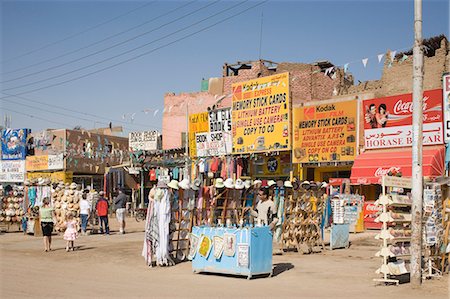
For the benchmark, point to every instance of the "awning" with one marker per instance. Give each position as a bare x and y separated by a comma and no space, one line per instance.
370,166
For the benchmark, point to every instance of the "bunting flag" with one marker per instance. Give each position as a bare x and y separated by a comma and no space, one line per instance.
364,61
345,67
164,110
390,64
404,57
328,70
393,55
200,101
156,112
170,108
380,57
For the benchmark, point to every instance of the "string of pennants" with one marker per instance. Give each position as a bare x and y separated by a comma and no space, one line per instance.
328,72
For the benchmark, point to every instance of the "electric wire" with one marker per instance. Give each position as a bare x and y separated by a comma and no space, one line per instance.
100,41
105,49
140,55
77,34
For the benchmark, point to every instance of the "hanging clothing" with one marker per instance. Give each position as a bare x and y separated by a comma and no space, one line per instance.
152,175
223,172
163,210
151,238
214,165
175,173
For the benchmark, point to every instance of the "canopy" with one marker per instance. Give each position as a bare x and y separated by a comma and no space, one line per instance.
370,166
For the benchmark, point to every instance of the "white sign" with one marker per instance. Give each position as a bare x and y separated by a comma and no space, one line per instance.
392,181
56,162
213,144
134,170
402,136
12,171
147,140
446,97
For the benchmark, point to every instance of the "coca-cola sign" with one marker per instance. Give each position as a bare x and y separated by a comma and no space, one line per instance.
379,172
388,120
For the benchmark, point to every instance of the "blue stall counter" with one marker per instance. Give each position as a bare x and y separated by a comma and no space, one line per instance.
245,251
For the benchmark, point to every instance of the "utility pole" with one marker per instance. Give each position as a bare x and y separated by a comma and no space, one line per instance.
417,178
187,170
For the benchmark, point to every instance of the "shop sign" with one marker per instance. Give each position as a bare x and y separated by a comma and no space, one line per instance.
213,144
400,182
56,162
260,112
145,140
325,133
388,120
371,212
57,176
36,163
12,171
14,144
198,123
446,96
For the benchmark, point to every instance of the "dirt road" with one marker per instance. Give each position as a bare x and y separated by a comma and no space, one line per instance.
112,267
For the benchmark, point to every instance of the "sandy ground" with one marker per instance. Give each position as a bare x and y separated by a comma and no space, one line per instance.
112,267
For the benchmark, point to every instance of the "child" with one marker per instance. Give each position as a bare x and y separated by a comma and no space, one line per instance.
71,232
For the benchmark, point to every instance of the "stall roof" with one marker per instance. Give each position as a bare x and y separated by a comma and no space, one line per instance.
370,166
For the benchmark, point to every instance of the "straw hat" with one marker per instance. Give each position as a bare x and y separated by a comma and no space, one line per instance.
271,183
305,185
264,183
196,184
247,184
257,182
229,183
173,184
73,186
324,185
184,184
219,183
239,185
288,184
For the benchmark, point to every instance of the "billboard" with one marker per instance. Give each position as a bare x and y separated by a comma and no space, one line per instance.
217,141
146,141
325,133
12,171
14,144
446,97
388,120
260,112
198,123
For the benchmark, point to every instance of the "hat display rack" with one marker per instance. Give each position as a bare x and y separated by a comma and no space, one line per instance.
12,207
303,215
65,200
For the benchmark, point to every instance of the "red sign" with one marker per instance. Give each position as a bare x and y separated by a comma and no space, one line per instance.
371,212
397,110
388,120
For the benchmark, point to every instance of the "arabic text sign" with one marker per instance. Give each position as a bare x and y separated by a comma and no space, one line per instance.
198,123
34,163
12,171
387,121
56,162
146,140
446,95
325,132
261,114
14,144
213,144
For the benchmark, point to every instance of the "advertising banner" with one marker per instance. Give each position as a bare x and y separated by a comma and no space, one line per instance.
198,123
57,176
12,171
36,163
146,140
325,133
260,114
446,96
388,120
14,144
218,140
56,162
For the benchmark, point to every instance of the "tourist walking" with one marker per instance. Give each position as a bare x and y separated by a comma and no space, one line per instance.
85,213
47,216
102,208
120,203
71,233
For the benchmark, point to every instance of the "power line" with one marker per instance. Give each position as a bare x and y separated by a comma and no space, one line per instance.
102,40
37,117
134,49
78,33
105,49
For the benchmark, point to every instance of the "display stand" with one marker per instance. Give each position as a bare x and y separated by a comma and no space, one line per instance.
395,230
248,254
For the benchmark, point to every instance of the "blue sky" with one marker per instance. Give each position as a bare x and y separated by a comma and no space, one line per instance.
293,31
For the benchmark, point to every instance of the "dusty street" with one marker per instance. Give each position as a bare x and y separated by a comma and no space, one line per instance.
110,267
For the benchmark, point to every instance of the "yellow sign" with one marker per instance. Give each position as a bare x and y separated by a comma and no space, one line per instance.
198,123
325,133
35,163
58,176
261,115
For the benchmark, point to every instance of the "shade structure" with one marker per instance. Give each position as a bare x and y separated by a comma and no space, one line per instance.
370,166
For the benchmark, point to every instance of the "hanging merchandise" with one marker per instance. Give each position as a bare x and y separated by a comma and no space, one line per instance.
193,240
205,246
12,205
230,244
243,255
218,243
